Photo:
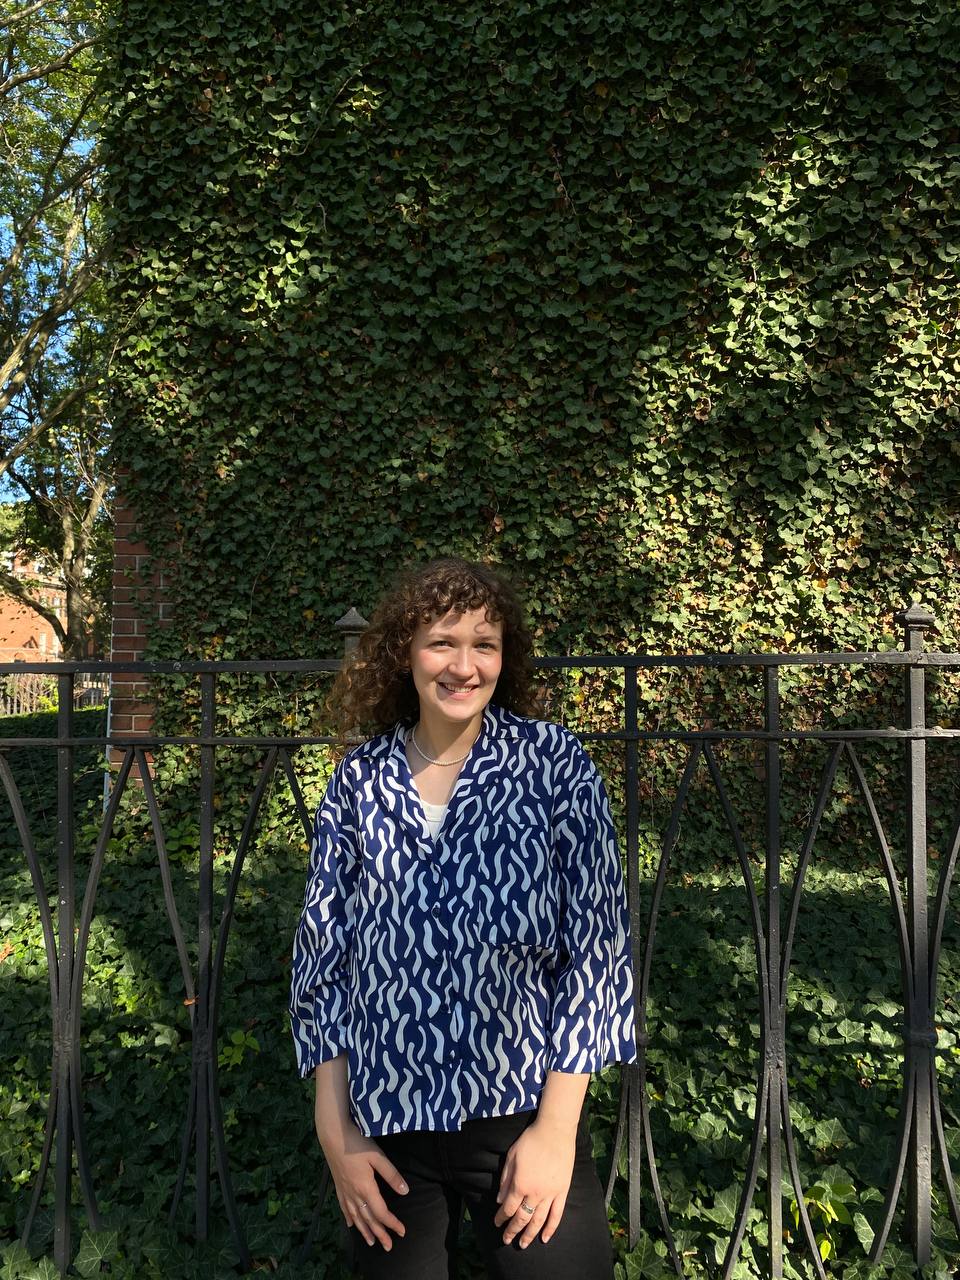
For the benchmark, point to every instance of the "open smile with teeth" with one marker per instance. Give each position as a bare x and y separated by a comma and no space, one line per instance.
457,688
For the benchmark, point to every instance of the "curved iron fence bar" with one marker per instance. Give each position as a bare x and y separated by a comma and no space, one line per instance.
36,875
53,975
813,826
188,1129
93,879
306,1248
744,859
944,881
654,1175
896,897
617,1137
220,1156
174,917
49,1126
750,1181
806,852
76,992
79,1134
172,914
795,1178
756,1142
940,907
941,1138
893,1191
223,935
297,792
226,918
909,997
670,837
325,1182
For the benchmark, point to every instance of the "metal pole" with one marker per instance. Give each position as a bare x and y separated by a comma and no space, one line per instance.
920,1035
202,1029
775,1041
634,1135
63,1022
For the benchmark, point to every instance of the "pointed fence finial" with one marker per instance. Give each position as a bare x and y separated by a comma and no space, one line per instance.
352,626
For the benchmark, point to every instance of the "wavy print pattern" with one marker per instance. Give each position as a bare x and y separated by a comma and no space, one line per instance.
455,974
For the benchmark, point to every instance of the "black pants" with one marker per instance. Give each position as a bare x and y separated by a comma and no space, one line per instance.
440,1168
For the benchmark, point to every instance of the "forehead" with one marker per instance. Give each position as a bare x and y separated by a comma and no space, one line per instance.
474,620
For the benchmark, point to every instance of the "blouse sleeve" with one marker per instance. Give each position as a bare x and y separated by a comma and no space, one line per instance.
321,945
593,1018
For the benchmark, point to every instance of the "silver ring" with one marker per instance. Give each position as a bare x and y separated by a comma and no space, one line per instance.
527,1208
363,1204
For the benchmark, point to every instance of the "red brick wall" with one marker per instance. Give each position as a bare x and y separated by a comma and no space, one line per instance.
139,605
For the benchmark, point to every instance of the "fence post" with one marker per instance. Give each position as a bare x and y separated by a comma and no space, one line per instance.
64,1015
775,1065
352,626
920,1034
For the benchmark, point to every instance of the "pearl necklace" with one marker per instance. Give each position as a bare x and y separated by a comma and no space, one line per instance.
459,759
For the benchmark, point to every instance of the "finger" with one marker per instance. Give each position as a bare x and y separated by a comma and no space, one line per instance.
379,1217
371,1229
553,1219
518,1220
382,1212
532,1229
508,1208
364,1231
348,1217
390,1173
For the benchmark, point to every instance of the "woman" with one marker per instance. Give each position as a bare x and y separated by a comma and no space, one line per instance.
462,961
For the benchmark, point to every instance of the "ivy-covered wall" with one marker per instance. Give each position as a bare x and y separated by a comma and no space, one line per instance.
655,302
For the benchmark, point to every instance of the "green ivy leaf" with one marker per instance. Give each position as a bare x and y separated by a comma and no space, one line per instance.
96,1247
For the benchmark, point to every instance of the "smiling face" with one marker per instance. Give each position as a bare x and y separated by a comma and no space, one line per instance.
455,661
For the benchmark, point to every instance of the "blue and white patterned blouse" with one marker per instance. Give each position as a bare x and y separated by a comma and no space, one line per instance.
454,974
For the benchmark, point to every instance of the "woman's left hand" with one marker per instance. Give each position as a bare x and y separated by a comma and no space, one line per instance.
538,1170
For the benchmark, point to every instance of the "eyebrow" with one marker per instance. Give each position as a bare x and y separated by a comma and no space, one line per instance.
482,635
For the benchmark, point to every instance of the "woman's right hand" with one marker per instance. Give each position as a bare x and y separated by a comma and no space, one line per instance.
354,1162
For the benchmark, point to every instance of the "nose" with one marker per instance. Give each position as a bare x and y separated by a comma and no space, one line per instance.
460,664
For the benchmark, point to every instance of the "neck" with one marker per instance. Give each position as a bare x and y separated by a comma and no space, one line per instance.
441,739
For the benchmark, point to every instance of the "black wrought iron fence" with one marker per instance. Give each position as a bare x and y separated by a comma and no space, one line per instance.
25,691
917,919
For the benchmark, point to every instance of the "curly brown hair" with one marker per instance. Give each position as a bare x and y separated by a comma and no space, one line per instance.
374,689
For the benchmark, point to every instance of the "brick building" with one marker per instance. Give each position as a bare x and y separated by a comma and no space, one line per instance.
24,634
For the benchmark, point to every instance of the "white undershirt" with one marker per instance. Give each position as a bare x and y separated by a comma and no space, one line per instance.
434,815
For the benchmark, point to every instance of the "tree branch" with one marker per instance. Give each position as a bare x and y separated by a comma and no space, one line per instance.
38,73
25,354
50,195
15,19
45,421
